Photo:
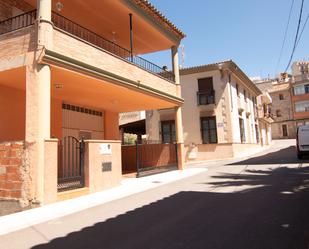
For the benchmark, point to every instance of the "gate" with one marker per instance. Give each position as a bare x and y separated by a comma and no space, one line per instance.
70,163
149,158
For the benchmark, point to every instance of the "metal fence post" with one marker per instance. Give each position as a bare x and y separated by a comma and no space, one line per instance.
176,151
82,155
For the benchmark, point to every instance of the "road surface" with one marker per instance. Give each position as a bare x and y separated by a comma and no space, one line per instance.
257,203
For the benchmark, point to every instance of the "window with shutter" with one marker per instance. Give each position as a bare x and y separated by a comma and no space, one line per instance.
206,93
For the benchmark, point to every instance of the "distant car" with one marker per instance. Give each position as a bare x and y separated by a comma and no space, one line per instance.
302,141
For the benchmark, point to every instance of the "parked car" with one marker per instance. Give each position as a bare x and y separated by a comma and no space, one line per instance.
302,141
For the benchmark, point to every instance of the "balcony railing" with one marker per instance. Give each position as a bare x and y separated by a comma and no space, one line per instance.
61,22
85,34
205,97
18,22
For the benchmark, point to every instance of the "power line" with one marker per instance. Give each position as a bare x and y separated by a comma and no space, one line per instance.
285,34
301,33
296,36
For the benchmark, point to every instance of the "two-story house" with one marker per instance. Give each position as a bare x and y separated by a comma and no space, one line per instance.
67,69
220,113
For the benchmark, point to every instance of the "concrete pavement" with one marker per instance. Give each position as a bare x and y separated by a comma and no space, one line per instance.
260,202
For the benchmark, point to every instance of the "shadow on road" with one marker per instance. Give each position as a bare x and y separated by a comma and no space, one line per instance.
283,156
272,214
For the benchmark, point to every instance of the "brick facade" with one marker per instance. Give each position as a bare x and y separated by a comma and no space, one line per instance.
11,176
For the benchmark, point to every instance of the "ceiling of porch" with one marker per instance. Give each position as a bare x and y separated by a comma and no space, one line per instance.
110,19
83,90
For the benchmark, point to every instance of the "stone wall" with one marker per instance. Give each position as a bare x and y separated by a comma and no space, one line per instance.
11,170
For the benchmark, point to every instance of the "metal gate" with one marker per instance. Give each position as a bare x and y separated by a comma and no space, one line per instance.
70,163
150,157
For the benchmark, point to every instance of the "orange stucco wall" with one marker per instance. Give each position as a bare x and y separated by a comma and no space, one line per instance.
56,118
12,113
111,125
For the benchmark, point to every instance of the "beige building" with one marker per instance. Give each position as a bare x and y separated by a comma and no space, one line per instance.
281,107
220,113
290,100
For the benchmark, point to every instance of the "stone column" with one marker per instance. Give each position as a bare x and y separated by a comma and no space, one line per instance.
38,91
178,110
44,10
45,27
37,124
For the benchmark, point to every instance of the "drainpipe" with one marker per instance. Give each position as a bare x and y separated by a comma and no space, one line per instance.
131,37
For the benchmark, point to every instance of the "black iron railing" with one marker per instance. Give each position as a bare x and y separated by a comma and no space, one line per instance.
85,34
18,22
205,97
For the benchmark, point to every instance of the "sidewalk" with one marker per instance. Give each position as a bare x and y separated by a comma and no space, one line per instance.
243,156
130,186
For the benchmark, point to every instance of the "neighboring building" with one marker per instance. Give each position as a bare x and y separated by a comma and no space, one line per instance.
129,117
220,113
281,107
290,100
300,92
264,102
132,123
66,73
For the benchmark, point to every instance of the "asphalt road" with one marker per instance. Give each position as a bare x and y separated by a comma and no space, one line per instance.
260,202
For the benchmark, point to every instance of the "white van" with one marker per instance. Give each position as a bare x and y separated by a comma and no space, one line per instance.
302,141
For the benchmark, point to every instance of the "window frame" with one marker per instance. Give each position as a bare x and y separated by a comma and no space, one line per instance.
284,130
172,136
237,89
242,131
209,130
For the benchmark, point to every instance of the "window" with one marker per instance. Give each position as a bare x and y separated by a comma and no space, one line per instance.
302,106
253,100
242,130
281,97
168,131
209,130
206,93
257,135
237,89
278,113
302,89
284,130
245,95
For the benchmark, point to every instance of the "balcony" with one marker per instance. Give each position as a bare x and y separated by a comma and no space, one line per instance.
206,97
301,78
67,26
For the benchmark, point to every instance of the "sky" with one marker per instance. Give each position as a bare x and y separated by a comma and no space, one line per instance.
250,32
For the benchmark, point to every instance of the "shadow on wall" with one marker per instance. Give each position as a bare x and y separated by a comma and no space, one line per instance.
284,156
272,214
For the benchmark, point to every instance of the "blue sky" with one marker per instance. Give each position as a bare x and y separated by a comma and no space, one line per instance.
246,31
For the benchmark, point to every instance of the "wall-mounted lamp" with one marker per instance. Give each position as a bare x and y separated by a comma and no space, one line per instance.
59,6
58,86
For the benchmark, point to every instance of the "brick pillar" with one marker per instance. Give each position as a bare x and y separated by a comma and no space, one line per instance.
178,110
